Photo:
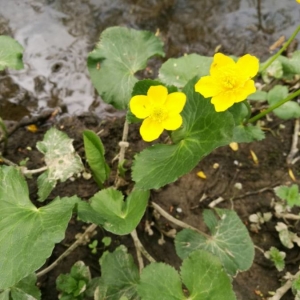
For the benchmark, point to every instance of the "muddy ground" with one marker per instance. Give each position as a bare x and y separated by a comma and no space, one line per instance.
234,166
55,74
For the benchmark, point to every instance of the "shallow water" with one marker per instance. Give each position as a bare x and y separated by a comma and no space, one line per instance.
57,36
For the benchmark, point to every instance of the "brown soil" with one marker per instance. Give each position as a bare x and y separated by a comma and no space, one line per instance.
186,193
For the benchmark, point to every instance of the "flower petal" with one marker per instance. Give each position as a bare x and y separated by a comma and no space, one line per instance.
248,65
173,122
175,102
208,86
223,101
243,92
151,130
157,94
139,106
220,60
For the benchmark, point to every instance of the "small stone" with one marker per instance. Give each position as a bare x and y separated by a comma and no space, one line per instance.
179,210
238,185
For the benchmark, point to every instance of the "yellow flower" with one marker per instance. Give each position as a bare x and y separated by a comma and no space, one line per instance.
298,1
159,110
229,82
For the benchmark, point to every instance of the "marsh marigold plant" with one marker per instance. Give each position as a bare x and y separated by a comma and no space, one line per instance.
229,82
159,110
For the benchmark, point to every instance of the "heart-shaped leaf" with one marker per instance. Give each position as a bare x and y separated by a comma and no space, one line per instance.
230,241
119,276
27,234
120,53
120,216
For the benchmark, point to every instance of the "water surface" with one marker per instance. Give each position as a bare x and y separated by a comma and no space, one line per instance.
58,34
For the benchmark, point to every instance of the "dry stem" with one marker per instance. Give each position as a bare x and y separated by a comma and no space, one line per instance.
283,289
140,249
175,221
294,148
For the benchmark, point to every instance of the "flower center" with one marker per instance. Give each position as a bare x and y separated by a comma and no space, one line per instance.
158,114
229,82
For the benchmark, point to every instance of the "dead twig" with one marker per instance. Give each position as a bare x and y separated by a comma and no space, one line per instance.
283,289
140,250
294,149
175,221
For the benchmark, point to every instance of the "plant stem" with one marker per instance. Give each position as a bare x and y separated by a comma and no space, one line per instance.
274,57
140,248
271,108
79,241
123,145
249,110
26,171
7,161
280,292
175,221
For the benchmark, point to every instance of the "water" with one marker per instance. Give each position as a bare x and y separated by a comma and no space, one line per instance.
58,34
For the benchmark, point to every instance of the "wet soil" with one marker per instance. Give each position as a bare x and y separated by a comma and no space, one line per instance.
190,194
57,36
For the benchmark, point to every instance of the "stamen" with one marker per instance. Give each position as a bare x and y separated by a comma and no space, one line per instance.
158,114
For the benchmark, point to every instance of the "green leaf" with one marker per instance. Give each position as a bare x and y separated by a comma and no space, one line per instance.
119,276
290,65
45,185
120,216
61,159
120,53
277,93
23,290
258,96
25,229
296,287
203,130
290,194
277,257
289,109
11,53
87,214
230,241
94,151
275,70
178,71
247,134
106,241
160,281
203,275
76,282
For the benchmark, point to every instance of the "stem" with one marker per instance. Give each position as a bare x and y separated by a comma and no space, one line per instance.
42,169
274,57
280,292
140,248
271,108
123,145
7,161
175,221
249,110
81,240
